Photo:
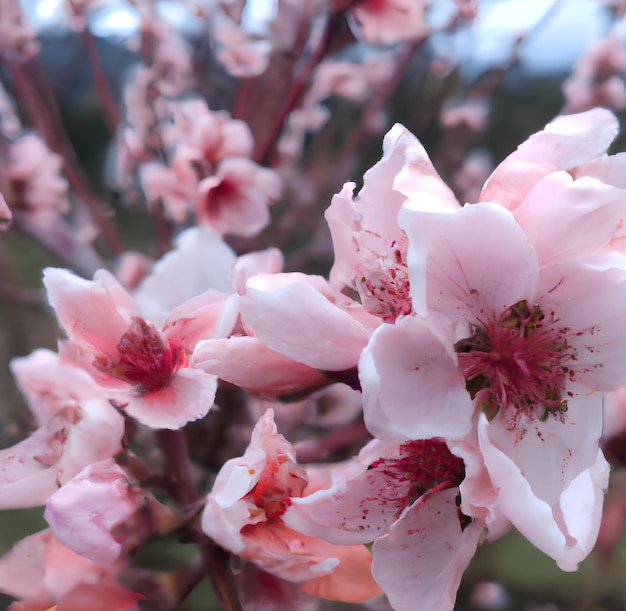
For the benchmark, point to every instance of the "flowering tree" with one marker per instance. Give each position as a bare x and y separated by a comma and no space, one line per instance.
303,394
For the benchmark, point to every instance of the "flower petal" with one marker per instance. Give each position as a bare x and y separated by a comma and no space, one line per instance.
425,554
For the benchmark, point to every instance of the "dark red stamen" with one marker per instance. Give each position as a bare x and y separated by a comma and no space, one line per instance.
144,359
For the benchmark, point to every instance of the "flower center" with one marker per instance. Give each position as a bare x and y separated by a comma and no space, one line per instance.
522,361
384,285
144,359
280,480
421,466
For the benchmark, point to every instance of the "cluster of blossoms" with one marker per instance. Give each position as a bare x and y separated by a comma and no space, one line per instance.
354,437
482,337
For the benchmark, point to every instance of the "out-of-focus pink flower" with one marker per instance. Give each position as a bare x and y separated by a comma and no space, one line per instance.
17,39
242,54
131,268
144,369
31,180
77,426
5,214
84,513
243,514
597,77
236,198
386,22
43,573
402,497
203,136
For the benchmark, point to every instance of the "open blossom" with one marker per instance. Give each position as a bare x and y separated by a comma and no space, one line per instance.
517,332
143,368
209,172
236,198
244,512
404,498
77,426
370,247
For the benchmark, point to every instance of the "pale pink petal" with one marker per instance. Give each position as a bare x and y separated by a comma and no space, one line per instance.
412,387
22,569
106,595
188,396
268,261
597,335
77,426
96,313
469,263
173,187
211,314
48,385
293,318
523,472
562,217
611,170
425,554
83,513
39,567
250,364
199,261
565,143
28,470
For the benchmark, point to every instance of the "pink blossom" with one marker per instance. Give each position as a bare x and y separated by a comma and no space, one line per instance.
77,426
203,136
242,54
31,180
370,247
243,514
404,498
84,513
42,572
144,369
518,317
597,77
235,199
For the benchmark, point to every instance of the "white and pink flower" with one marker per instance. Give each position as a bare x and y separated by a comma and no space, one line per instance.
244,513
516,334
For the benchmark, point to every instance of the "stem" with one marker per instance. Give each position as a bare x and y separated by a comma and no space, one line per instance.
102,86
177,465
318,450
178,470
261,153
216,561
